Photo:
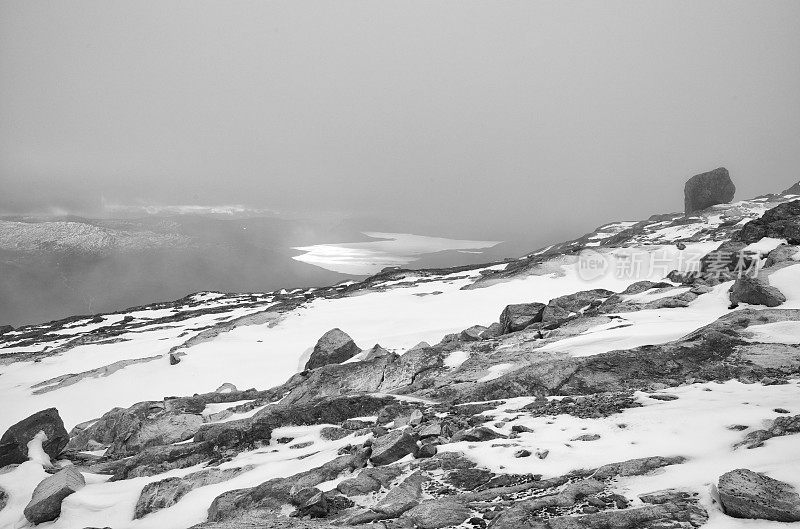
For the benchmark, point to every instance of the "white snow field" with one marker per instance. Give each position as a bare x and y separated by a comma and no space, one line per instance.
250,343
267,354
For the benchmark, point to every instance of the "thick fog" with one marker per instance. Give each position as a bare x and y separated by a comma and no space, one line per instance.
486,116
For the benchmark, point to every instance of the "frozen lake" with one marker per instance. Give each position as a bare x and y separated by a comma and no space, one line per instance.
388,249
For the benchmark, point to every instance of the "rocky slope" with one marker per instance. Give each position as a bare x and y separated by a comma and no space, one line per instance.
642,376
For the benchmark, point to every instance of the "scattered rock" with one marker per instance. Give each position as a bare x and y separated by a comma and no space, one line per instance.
477,435
14,443
392,447
45,504
636,467
403,497
586,437
708,189
663,396
369,480
517,317
522,453
747,494
780,426
472,334
334,347
755,291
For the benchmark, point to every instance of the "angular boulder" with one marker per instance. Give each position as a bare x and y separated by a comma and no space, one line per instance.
45,504
755,291
708,189
14,443
403,497
566,306
518,316
747,494
392,447
334,347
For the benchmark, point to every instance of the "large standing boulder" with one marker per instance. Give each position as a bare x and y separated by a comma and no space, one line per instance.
14,443
708,189
392,447
518,316
755,292
45,505
334,347
780,222
747,494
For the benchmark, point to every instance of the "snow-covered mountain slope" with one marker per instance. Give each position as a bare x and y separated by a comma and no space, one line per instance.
633,353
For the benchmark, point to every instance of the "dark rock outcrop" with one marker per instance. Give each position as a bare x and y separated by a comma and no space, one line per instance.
334,347
708,189
167,492
780,222
748,494
45,504
392,447
780,426
518,316
438,513
14,443
272,495
567,306
794,190
755,291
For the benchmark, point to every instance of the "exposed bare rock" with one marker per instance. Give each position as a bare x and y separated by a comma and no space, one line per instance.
274,494
573,304
755,291
45,505
157,459
517,317
334,347
369,480
73,378
748,494
14,443
708,189
472,334
403,497
636,467
780,426
438,513
167,492
780,222
392,447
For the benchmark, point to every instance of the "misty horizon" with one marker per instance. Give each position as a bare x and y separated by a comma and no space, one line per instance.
483,118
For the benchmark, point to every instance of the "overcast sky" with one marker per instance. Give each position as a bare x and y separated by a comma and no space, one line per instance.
493,113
